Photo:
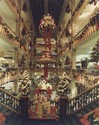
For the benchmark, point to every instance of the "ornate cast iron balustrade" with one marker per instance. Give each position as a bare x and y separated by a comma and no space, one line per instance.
6,31
82,100
12,2
9,101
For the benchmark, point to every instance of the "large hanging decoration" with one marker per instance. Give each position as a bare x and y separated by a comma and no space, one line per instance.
45,101
47,24
47,28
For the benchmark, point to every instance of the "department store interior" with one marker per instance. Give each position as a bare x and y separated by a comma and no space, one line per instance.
49,62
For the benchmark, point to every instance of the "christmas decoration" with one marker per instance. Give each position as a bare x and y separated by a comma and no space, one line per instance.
95,53
47,23
24,88
91,27
13,3
84,120
63,87
22,62
2,119
6,31
44,105
67,8
12,71
24,7
96,115
47,28
93,2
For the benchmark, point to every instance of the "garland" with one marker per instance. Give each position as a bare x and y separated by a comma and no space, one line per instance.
6,30
84,120
13,73
21,71
24,88
2,75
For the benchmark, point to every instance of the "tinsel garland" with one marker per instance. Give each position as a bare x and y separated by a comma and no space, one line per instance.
96,115
24,88
93,21
7,31
63,87
2,75
13,73
21,70
95,53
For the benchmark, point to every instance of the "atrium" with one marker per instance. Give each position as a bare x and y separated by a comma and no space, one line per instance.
49,62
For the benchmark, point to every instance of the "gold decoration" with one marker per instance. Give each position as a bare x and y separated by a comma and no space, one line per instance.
47,23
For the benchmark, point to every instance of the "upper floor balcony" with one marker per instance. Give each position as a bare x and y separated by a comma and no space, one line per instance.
7,36
13,7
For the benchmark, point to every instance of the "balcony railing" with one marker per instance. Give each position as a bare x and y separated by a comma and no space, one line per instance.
7,77
82,100
91,29
6,31
9,101
13,7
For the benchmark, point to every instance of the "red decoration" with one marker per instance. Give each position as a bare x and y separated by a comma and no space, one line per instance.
96,113
2,118
84,120
47,26
49,91
37,91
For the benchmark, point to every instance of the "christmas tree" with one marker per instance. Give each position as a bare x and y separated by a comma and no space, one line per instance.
95,53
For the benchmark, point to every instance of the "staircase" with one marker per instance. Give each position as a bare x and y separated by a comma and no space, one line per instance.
83,103
75,109
9,107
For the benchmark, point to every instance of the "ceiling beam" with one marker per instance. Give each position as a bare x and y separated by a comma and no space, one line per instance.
84,4
31,15
46,6
62,13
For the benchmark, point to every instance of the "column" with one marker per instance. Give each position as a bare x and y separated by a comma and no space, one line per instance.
24,107
17,27
74,59
32,55
17,50
63,106
73,66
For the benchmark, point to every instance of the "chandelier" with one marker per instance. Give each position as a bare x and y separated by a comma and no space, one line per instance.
47,24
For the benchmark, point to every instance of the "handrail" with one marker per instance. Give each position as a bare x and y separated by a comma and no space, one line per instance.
82,33
10,101
9,28
5,91
3,23
12,5
84,92
88,24
75,14
6,31
82,100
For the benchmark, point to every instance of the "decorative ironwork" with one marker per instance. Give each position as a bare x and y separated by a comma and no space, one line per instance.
9,101
82,100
